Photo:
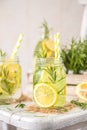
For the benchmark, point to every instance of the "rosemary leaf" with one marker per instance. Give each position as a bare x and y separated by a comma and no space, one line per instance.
82,105
20,105
63,109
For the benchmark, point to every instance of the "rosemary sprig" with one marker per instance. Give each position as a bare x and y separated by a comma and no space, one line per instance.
46,29
52,72
20,105
82,105
41,53
62,109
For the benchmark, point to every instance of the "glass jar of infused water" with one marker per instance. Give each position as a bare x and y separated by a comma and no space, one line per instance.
10,79
49,83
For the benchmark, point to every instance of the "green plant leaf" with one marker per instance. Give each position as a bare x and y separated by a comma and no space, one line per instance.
75,57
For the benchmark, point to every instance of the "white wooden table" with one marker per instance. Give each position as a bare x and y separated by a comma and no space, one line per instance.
13,118
75,119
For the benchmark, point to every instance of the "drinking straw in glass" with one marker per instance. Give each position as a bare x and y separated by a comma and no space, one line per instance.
18,44
57,45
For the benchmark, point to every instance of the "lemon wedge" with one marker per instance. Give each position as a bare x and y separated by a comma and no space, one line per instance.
81,91
45,95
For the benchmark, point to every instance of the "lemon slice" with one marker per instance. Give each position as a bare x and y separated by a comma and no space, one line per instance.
49,44
81,91
45,95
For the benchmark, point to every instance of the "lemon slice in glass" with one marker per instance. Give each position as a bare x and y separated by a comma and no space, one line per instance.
45,95
81,91
49,44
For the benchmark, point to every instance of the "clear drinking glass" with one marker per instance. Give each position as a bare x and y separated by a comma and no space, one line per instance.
10,79
51,72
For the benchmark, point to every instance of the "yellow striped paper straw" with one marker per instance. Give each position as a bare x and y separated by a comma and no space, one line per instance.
19,41
57,45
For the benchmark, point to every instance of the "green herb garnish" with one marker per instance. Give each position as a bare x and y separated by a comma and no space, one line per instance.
20,105
2,54
9,109
1,93
82,105
63,109
40,52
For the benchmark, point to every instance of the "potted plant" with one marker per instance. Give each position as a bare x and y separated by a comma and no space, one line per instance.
75,57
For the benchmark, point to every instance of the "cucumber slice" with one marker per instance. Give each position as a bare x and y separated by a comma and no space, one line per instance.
60,85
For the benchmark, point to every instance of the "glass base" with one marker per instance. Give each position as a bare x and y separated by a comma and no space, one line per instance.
8,99
61,101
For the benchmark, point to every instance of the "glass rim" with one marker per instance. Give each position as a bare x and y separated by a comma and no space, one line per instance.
8,59
48,59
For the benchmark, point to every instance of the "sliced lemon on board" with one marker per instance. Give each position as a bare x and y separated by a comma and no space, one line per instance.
45,95
81,91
